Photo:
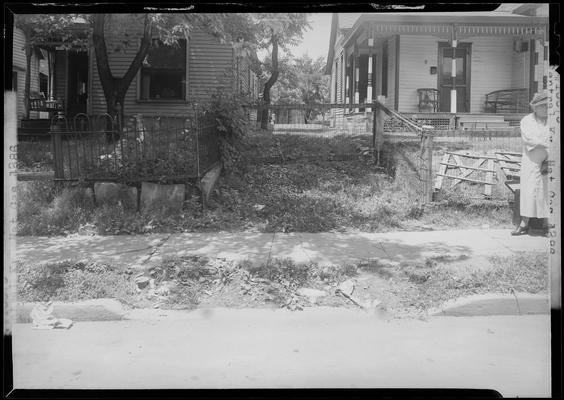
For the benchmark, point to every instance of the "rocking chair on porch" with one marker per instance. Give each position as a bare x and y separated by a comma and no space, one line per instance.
428,99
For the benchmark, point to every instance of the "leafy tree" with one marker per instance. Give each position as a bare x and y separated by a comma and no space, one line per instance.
302,81
277,31
169,28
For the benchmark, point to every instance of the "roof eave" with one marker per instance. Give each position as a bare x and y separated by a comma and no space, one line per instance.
430,19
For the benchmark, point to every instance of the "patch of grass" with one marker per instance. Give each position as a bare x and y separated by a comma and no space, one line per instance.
183,297
71,281
525,272
280,270
44,211
299,274
183,268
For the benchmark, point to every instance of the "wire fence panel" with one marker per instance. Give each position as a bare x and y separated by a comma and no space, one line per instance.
418,142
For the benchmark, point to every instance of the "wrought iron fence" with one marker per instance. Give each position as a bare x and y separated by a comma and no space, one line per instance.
161,149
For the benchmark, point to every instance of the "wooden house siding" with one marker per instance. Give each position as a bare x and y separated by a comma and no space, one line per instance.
209,65
19,66
391,97
494,66
417,55
491,68
521,63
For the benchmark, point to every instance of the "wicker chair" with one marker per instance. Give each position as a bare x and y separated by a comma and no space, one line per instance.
428,98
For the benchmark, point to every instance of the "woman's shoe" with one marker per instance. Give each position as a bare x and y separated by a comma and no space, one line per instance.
521,230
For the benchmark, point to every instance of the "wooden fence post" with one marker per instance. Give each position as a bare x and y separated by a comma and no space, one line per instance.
429,178
378,128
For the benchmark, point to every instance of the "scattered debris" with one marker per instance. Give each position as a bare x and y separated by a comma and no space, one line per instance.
142,281
42,318
311,294
351,298
346,287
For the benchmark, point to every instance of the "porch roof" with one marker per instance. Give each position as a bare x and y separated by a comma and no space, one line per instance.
445,19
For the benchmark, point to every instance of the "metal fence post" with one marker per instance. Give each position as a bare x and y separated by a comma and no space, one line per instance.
57,141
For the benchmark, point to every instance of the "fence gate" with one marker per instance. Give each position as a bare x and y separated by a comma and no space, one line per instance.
453,161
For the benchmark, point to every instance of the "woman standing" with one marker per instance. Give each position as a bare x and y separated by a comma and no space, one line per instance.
534,184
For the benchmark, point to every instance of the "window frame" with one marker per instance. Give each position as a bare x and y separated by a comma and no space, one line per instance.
184,100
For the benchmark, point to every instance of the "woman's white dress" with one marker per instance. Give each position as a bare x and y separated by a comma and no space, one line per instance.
534,185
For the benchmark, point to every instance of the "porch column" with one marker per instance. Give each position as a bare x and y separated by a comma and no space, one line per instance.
347,80
453,72
369,97
356,76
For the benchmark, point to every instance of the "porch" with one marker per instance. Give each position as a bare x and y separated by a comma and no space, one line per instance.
459,60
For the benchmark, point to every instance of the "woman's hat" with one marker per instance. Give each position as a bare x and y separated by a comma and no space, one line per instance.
539,99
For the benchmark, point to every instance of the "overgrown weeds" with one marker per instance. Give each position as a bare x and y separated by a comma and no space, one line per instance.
44,211
35,155
525,272
71,281
299,185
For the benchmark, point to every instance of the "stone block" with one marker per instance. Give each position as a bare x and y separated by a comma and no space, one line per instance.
208,181
113,193
155,197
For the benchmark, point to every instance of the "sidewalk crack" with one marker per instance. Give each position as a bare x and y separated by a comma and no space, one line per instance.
270,250
145,259
302,247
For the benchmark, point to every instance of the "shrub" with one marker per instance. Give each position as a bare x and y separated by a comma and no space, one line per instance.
232,125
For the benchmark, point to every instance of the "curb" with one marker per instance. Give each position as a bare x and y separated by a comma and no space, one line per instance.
87,310
495,304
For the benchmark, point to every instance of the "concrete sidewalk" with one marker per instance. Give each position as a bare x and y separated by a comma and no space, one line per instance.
471,246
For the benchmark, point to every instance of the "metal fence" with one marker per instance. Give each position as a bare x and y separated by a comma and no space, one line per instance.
160,149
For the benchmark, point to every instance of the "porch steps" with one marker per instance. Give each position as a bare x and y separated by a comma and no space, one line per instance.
483,121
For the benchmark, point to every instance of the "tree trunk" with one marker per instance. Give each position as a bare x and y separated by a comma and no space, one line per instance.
115,89
27,89
271,81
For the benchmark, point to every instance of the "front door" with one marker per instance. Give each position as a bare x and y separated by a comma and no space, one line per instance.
462,81
77,89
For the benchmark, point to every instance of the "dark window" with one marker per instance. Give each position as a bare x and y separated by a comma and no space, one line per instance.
14,81
43,84
341,100
336,79
544,83
163,74
535,87
545,56
385,69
